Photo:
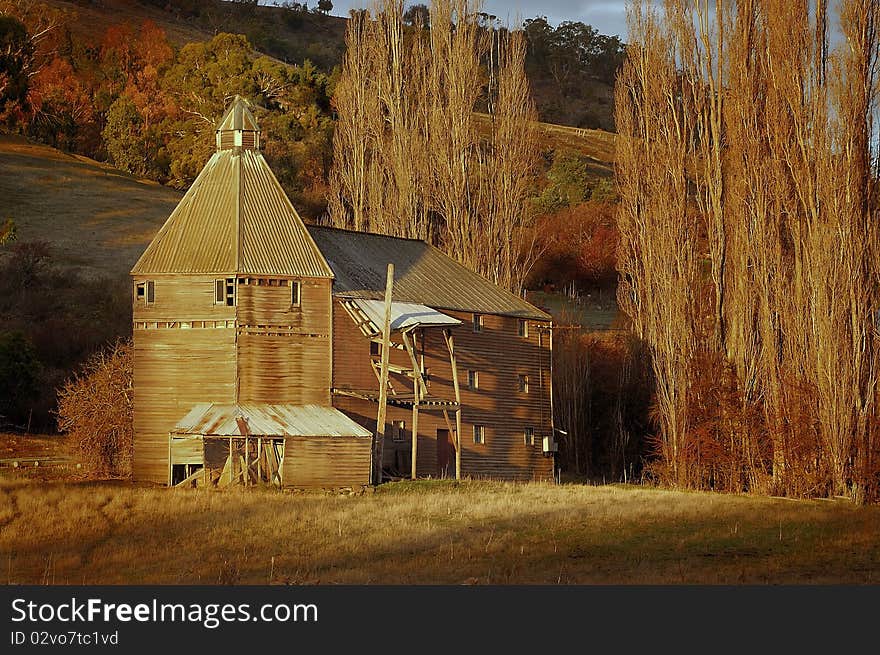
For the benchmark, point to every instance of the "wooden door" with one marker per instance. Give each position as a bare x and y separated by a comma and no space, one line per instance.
445,455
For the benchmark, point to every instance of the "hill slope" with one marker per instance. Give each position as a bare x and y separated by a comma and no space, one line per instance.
96,219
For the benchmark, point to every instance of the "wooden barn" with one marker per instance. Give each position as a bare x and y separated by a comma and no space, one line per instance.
259,347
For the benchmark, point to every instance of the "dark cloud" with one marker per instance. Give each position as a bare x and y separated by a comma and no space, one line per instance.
607,16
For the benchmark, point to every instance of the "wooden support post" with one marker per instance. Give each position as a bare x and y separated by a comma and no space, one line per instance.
420,390
170,463
450,345
415,429
259,459
383,379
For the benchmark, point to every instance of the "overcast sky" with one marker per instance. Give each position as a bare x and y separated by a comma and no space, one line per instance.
607,16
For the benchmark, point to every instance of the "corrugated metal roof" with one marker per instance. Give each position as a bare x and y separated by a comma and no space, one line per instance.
403,315
269,420
235,218
273,237
238,116
422,274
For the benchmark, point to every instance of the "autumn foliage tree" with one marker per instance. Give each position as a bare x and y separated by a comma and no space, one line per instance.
749,240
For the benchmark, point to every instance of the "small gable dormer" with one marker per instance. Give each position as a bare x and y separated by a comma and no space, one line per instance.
238,128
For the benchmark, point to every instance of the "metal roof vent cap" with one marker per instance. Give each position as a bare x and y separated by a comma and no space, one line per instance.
238,128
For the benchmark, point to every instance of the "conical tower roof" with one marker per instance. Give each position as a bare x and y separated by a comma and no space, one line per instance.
235,218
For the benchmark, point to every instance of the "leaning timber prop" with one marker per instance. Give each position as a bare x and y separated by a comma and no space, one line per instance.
383,380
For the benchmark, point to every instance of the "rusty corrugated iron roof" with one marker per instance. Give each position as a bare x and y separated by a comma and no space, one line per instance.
422,274
209,419
235,218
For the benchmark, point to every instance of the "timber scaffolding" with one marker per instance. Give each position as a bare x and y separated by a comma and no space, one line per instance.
226,461
405,319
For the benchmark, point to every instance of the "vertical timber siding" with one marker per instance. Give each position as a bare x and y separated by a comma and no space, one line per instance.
165,359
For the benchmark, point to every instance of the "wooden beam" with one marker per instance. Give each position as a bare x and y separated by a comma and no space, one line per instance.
450,346
416,369
420,390
383,381
190,478
415,424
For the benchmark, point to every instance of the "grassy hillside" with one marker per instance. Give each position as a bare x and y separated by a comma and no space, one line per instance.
427,532
284,34
96,219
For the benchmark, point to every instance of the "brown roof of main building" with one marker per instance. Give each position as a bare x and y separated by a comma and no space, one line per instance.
422,274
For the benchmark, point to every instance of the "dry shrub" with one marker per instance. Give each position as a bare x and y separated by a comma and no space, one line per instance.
728,448
95,410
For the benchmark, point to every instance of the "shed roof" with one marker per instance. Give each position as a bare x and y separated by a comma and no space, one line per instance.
404,315
422,274
209,419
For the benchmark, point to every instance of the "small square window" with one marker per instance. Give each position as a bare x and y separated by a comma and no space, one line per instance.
529,436
398,431
375,348
295,293
146,291
230,291
523,328
478,322
523,383
473,380
479,434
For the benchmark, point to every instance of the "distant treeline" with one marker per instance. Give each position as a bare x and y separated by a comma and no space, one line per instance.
130,97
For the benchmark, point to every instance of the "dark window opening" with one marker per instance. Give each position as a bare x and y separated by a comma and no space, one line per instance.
146,291
398,431
295,293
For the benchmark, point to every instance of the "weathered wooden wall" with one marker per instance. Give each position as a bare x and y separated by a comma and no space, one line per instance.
499,355
188,350
176,367
326,462
283,350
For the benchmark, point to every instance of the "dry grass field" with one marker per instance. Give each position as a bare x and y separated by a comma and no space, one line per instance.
55,532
